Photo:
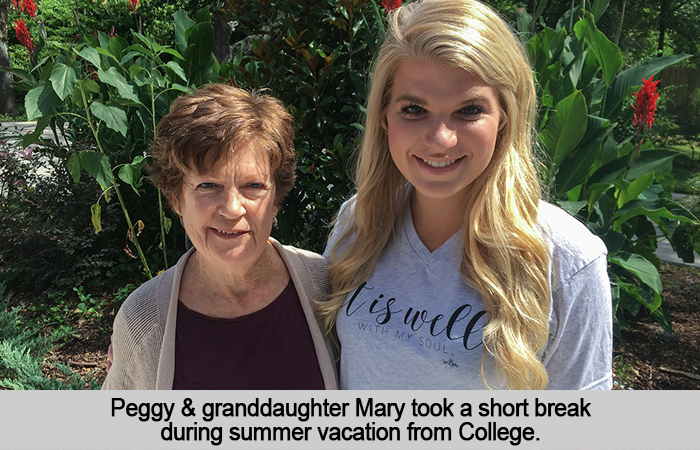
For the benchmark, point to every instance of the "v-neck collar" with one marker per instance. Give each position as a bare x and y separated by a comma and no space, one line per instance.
454,243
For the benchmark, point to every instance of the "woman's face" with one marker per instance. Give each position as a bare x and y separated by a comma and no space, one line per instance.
228,212
442,128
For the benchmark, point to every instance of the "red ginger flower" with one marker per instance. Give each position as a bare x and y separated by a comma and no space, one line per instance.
133,4
24,36
30,8
646,104
391,5
18,4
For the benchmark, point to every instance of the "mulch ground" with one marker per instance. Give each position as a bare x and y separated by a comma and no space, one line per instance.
646,357
649,358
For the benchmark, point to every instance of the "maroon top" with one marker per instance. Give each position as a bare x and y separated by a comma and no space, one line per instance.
268,349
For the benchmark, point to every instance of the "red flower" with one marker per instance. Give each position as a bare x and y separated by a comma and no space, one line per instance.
112,32
30,8
18,4
133,4
646,104
24,36
391,5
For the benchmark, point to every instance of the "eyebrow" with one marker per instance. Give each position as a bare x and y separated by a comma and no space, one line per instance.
419,101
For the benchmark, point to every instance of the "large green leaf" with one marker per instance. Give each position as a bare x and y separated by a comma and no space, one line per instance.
630,191
641,267
607,53
97,164
655,210
574,170
63,79
566,129
112,116
182,23
41,100
91,55
114,78
628,81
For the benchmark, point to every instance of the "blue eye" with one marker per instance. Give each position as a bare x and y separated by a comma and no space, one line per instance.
412,110
472,110
256,185
205,185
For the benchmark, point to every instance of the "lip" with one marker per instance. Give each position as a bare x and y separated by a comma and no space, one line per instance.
439,170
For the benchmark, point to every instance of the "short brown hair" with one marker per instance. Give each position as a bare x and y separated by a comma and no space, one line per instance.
209,124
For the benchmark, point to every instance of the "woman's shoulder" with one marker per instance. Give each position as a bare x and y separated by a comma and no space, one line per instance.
572,244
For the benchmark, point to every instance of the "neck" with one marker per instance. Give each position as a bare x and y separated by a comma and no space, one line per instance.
436,221
231,281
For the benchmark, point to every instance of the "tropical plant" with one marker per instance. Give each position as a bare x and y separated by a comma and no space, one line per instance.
105,97
621,190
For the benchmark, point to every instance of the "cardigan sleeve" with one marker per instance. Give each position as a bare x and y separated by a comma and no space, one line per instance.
137,338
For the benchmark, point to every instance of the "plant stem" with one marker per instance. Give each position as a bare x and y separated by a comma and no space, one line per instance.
116,189
162,229
161,215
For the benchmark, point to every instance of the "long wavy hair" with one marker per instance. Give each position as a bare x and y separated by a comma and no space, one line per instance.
505,256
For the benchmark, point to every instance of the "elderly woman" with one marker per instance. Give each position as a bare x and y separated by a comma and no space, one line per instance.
236,312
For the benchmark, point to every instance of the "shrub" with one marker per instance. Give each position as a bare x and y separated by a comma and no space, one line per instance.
21,355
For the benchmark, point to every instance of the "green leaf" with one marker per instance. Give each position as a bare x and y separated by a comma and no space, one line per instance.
640,267
96,218
41,125
175,67
655,210
182,23
633,189
167,224
599,7
112,116
41,101
629,81
572,207
107,53
63,79
566,129
23,74
114,78
607,53
131,173
575,169
90,55
74,167
97,164
649,161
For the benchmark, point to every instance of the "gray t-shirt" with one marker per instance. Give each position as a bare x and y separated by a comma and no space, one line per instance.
415,323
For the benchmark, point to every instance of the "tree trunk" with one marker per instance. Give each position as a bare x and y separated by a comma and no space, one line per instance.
222,37
7,94
663,24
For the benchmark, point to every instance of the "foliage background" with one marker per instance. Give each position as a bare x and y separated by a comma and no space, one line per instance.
103,95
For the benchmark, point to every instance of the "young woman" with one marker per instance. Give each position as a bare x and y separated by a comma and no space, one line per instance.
448,270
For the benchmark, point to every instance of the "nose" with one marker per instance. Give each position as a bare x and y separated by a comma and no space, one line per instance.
232,204
441,136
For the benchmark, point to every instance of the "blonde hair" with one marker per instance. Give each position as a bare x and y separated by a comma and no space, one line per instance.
505,256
